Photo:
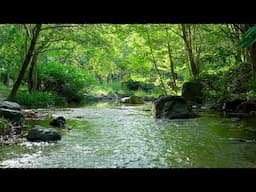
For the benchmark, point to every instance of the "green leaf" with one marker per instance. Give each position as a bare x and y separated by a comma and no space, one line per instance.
248,39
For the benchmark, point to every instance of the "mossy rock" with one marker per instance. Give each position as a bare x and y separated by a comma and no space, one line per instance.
171,107
39,133
192,91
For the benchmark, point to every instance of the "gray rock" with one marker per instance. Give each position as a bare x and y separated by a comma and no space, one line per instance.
13,115
132,100
171,107
10,105
39,133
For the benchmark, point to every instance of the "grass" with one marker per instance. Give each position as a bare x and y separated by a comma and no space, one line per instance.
38,99
110,88
3,126
116,88
5,91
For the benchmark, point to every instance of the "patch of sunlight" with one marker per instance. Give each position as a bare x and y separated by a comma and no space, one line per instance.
211,71
101,92
101,105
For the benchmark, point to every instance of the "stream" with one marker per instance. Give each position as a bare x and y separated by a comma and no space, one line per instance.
120,136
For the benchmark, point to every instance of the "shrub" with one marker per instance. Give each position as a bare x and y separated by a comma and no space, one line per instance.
68,81
136,85
38,99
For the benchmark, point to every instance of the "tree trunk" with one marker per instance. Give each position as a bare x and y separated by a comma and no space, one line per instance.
26,61
173,74
7,82
188,44
154,62
32,76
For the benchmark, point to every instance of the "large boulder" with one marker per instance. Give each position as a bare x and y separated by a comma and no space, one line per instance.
171,107
232,105
247,107
39,133
132,100
13,115
11,111
58,122
10,105
192,91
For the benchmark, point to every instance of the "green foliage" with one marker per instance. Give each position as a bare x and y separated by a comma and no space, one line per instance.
136,85
110,88
4,127
38,99
67,80
4,90
234,83
239,78
94,59
249,38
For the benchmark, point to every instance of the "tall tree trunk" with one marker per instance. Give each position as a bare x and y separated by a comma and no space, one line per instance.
26,61
173,74
188,44
32,75
155,64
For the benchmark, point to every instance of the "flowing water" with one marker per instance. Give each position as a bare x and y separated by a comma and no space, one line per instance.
106,136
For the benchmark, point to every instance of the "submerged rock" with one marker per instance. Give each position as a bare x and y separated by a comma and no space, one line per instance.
39,133
171,107
58,122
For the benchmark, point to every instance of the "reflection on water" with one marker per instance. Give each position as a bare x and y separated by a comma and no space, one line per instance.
128,137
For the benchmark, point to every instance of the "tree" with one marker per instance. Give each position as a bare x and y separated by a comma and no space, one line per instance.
29,54
172,72
194,59
154,62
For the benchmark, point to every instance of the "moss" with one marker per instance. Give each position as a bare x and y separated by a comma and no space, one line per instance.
4,127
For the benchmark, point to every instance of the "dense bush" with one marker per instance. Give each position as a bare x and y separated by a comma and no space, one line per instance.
136,85
239,78
221,87
38,99
66,80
